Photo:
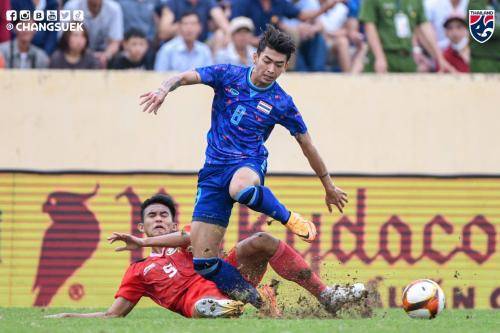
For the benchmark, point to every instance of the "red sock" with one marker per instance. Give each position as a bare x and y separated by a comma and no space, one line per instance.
291,266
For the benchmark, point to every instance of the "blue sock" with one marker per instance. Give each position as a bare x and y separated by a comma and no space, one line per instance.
228,280
261,199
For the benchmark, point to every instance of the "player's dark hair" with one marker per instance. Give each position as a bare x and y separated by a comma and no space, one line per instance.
277,40
134,32
189,13
159,198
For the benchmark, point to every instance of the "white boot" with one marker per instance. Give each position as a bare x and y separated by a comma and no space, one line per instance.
335,296
218,308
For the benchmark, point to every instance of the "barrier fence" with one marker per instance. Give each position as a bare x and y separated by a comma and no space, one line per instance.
54,252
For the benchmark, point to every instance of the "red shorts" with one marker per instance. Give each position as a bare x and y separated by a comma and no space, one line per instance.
232,259
202,289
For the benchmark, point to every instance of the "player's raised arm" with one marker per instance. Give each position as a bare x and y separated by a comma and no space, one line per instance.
175,239
334,195
120,308
151,101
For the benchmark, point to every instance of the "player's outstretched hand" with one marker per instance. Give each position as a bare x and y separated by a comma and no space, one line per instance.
336,197
153,100
131,242
56,316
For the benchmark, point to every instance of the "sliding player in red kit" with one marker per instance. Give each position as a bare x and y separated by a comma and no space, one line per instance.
169,279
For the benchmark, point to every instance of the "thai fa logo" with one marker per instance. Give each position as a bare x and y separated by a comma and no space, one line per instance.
481,24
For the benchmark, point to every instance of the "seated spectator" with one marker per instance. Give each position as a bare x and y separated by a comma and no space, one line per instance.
134,54
20,53
262,12
239,51
73,52
46,40
140,15
311,46
458,52
389,27
438,11
4,33
171,12
104,22
185,51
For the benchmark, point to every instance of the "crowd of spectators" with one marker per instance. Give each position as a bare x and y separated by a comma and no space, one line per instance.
349,36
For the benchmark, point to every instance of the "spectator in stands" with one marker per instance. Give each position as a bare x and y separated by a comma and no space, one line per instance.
20,53
73,52
4,33
438,11
46,40
389,25
172,10
134,54
104,21
262,12
239,51
485,57
344,39
141,15
458,52
185,51
311,46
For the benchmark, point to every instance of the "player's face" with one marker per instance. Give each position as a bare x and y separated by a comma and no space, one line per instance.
269,65
158,221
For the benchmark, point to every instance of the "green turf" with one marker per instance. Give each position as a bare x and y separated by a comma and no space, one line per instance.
158,320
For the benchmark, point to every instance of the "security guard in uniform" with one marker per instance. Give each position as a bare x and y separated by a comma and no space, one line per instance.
389,26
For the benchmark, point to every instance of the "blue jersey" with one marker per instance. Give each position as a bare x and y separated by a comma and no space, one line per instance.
244,115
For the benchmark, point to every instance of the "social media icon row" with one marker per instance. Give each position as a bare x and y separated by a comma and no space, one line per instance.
49,15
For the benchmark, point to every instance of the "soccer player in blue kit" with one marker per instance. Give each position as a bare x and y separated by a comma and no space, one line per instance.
248,103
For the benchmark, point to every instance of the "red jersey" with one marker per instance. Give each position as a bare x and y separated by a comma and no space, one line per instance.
169,280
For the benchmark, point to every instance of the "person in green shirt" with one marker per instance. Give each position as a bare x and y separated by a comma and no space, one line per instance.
389,27
485,57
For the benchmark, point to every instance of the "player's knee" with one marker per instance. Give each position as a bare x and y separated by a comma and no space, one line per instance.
206,267
264,243
245,194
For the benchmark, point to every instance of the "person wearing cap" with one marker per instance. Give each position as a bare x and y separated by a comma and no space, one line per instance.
458,51
485,58
438,11
239,51
389,27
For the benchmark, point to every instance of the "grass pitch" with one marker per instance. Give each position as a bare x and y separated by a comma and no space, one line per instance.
159,320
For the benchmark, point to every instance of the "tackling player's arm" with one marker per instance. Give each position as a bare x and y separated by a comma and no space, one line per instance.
120,308
175,239
334,195
153,100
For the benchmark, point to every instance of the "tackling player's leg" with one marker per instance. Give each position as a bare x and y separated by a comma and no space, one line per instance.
254,253
206,239
245,187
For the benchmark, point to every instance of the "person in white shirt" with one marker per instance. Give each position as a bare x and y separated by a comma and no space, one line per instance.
184,52
104,22
239,51
438,11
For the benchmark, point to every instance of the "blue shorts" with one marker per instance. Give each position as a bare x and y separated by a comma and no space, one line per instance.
213,203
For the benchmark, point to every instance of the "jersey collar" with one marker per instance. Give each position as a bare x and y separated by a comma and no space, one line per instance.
253,86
